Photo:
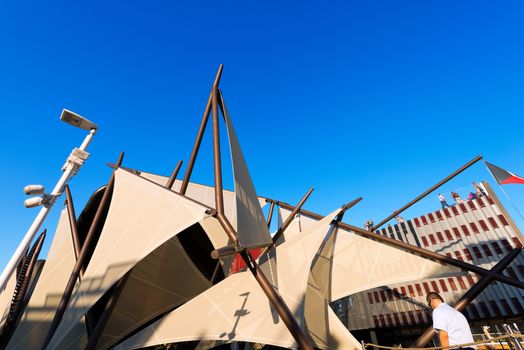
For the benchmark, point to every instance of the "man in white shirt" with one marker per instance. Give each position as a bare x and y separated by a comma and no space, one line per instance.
451,325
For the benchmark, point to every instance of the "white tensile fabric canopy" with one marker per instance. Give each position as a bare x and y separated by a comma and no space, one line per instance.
142,216
34,323
252,230
236,309
349,263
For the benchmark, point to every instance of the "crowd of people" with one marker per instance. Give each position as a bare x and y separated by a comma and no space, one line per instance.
479,192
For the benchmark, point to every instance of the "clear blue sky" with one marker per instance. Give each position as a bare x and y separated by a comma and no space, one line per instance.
379,99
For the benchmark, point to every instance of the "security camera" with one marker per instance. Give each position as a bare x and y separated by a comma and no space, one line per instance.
33,202
34,189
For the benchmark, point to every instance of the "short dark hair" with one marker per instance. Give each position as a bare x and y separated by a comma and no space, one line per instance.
433,295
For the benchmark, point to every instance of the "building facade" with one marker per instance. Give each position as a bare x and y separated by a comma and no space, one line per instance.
478,231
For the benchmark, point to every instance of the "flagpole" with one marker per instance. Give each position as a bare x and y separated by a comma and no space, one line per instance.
509,199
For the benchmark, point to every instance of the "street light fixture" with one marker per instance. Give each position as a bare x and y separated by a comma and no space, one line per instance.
71,167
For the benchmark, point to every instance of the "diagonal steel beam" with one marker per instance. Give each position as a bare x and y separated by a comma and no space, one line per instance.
428,191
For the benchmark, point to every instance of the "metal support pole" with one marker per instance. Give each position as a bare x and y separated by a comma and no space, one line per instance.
172,178
70,170
89,241
471,294
73,225
200,135
277,302
270,214
428,191
411,248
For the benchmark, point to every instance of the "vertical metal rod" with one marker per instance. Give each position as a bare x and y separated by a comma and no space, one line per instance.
77,247
270,214
428,191
200,135
172,178
471,294
89,241
411,248
116,291
277,302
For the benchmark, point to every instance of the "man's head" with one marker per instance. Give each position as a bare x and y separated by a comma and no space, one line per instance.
434,299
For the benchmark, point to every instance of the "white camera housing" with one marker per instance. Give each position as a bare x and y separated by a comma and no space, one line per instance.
34,189
33,202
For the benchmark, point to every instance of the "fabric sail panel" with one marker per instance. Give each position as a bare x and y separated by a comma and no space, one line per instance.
502,176
251,226
39,312
350,263
236,309
142,216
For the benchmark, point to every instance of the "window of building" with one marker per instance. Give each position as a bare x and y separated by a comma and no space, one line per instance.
474,310
495,307
395,317
382,296
477,253
418,313
484,309
424,220
377,299
412,317
426,287
443,285
506,245
411,291
448,235
486,250
493,223
483,225
497,248
439,215
434,286
404,317
511,273
458,255
403,291
481,202
465,230
440,237
517,305
389,293
370,298
449,255
455,210
490,200
517,242
461,282
456,232
463,208
375,321
446,212
382,320
417,223
472,205
503,220
432,239
395,293
452,284
425,241
419,290
389,319
467,254
505,305
474,227
431,217
470,280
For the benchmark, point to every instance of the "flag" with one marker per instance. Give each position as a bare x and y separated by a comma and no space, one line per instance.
502,176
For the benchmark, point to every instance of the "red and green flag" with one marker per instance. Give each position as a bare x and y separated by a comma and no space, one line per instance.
502,176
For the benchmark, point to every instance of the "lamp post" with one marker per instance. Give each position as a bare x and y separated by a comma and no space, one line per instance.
72,165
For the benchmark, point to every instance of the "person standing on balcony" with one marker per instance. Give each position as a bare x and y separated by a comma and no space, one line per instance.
442,200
